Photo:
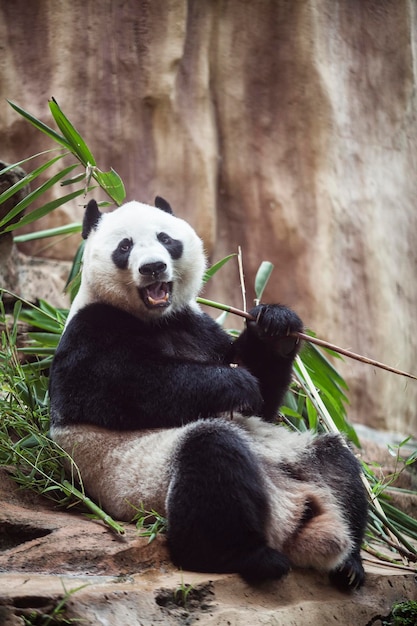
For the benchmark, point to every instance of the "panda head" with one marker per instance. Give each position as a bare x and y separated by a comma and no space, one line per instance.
141,259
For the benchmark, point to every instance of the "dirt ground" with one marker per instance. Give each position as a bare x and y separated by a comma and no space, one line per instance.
47,553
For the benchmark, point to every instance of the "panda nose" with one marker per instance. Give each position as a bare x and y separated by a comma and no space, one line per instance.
152,269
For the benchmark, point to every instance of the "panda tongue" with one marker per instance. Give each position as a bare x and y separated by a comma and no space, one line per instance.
158,294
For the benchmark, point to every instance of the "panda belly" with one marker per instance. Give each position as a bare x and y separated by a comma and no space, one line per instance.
121,470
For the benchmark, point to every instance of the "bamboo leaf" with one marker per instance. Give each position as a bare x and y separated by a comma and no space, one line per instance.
43,210
211,271
74,278
34,156
59,231
73,137
46,339
22,183
46,208
286,410
41,126
53,321
315,360
312,414
72,181
111,183
38,350
262,276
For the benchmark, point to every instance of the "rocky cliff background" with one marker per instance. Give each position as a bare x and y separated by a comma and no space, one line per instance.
287,127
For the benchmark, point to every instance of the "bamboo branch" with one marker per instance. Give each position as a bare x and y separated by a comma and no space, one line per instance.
403,552
384,559
97,512
353,355
315,340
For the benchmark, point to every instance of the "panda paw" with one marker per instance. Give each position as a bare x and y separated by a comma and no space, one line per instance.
243,393
350,575
263,564
275,324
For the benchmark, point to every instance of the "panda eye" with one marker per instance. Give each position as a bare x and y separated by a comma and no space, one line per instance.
125,245
164,238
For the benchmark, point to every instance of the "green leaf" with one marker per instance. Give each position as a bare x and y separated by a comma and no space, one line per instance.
74,278
111,183
209,273
73,137
312,414
46,208
286,410
40,365
41,126
316,361
75,179
59,231
17,309
34,156
35,215
262,276
221,319
45,339
46,317
38,350
22,183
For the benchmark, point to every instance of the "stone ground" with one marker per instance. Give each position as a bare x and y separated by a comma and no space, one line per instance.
120,581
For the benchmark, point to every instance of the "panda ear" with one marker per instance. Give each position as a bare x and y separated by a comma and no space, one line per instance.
162,204
92,217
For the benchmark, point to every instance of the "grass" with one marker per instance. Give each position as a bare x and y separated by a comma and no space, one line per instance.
32,458
56,616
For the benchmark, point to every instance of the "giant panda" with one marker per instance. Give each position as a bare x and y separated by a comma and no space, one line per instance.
160,407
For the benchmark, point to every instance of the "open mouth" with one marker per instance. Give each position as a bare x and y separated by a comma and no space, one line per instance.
156,295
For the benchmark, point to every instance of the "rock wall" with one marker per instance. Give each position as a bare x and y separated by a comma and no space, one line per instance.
288,128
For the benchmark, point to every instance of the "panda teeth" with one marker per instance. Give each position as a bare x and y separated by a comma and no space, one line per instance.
157,295
160,301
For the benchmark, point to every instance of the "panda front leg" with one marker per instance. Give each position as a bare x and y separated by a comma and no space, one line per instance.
217,505
267,348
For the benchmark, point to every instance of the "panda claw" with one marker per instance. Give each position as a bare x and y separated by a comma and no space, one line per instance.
349,576
352,577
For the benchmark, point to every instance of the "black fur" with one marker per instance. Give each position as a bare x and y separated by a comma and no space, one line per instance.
162,204
218,508
335,465
331,462
174,246
91,219
265,349
121,255
164,373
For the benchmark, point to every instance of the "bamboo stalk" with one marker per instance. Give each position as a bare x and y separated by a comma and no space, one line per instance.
315,340
68,488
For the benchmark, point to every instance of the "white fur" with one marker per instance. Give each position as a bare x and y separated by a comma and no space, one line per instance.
122,470
102,282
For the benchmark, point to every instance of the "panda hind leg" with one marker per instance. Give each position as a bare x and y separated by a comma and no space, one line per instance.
341,471
350,575
217,506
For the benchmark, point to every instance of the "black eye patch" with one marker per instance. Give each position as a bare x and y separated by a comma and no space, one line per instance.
120,256
174,246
